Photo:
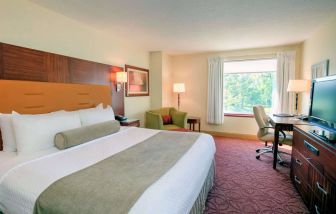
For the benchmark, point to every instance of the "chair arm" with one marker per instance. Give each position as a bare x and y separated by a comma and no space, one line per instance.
153,121
179,118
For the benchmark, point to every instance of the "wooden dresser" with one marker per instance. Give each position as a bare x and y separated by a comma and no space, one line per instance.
313,170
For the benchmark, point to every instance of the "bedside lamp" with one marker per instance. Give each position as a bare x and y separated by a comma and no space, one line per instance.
298,86
178,88
121,77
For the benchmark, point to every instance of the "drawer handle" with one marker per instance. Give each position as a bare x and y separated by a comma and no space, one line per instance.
311,148
297,180
298,162
317,209
321,188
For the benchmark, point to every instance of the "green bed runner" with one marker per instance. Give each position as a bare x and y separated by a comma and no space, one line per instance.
114,184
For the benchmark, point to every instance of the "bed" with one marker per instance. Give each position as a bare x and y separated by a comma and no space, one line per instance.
24,178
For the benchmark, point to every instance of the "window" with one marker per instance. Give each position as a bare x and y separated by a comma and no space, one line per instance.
248,83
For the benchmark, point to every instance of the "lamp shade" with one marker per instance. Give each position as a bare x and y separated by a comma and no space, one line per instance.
121,76
179,87
298,86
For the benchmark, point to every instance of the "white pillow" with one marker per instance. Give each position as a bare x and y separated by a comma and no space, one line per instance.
37,132
7,132
93,116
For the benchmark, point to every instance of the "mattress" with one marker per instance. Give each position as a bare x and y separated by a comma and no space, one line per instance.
24,178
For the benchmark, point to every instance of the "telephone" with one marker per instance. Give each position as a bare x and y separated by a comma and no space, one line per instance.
120,117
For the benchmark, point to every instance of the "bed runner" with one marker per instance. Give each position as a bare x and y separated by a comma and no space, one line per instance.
114,184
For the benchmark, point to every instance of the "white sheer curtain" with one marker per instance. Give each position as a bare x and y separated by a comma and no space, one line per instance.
284,101
215,90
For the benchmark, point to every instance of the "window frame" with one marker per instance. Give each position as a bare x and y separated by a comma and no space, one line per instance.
246,115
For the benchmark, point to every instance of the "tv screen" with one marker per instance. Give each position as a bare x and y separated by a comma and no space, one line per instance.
323,102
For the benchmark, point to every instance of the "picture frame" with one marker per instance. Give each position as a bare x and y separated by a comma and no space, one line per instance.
137,81
320,69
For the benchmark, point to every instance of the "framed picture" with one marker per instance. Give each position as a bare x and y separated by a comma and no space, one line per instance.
320,69
137,81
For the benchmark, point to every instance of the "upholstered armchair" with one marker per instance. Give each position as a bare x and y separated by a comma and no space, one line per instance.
166,119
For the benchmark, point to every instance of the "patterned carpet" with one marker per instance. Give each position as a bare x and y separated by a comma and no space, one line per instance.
244,184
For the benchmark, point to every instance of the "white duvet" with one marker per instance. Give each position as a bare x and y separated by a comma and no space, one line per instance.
24,178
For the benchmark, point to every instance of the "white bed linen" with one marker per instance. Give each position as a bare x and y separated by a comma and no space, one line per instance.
24,179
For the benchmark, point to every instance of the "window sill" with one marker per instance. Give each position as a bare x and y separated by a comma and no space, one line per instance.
238,115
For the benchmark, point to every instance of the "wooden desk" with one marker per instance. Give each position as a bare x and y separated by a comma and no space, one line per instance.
282,124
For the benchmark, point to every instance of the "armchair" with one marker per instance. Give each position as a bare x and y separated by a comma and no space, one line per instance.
154,119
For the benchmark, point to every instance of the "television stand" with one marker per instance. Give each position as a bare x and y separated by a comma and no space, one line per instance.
313,169
325,135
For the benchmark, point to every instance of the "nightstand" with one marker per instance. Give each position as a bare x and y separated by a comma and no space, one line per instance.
130,122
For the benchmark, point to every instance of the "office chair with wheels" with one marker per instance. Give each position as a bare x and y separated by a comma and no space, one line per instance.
266,135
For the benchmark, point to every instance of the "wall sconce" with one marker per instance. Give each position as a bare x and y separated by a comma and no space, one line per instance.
121,78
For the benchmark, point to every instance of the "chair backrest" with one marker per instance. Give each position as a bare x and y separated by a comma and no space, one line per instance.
260,116
162,111
262,120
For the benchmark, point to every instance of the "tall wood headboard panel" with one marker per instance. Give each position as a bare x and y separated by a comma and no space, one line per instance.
28,97
19,63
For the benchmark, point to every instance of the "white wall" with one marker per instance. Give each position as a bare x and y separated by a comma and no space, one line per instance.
161,84
167,80
192,69
26,24
155,79
320,46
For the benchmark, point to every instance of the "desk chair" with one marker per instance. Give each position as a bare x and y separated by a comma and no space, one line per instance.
266,135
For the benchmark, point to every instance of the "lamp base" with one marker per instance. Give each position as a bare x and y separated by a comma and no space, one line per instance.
178,101
296,103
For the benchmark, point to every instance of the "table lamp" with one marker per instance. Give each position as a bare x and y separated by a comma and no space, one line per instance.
298,86
178,88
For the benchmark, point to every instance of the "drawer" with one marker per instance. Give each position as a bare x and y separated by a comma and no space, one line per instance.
299,164
324,190
302,187
318,155
319,205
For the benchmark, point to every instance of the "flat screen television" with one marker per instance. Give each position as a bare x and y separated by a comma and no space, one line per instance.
323,102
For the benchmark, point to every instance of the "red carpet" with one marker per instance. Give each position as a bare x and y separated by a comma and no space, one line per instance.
244,184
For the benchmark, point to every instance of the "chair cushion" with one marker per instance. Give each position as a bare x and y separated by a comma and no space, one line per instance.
269,137
167,119
171,126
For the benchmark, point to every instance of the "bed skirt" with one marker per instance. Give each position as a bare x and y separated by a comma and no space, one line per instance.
199,205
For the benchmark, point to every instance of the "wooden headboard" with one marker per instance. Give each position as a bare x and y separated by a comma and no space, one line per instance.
19,63
29,97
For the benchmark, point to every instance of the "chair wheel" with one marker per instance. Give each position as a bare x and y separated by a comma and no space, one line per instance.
257,150
258,156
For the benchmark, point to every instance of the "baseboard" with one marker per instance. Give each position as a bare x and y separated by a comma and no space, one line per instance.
232,135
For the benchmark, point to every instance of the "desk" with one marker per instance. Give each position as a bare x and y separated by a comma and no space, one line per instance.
282,124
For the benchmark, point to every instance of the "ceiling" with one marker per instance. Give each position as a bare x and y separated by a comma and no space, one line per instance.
179,26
